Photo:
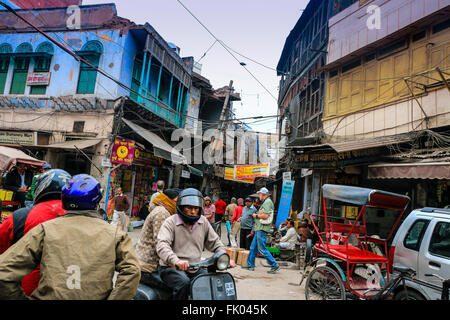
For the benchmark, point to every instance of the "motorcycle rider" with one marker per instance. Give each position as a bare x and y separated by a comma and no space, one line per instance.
78,253
47,205
181,241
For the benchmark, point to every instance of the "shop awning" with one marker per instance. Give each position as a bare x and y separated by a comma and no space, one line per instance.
9,157
161,148
195,171
415,170
73,144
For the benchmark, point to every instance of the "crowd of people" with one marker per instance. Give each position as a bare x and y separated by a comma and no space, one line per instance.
61,246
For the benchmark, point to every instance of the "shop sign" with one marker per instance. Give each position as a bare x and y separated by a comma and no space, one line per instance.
185,174
143,156
38,78
285,201
229,175
251,171
350,212
220,172
332,160
123,151
14,137
106,163
287,176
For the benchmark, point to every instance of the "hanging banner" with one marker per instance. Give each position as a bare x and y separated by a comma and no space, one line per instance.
229,175
251,171
123,151
285,201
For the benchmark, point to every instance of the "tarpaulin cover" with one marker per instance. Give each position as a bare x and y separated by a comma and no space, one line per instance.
10,156
410,171
365,196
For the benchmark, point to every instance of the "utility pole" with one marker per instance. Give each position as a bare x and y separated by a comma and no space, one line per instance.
221,127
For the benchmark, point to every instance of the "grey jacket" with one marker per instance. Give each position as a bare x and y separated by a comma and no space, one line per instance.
247,220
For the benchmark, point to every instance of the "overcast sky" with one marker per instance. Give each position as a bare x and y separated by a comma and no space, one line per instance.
254,28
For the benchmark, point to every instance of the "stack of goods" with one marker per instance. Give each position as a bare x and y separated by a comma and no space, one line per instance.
242,257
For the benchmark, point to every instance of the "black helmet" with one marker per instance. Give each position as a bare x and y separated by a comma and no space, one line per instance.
190,197
50,183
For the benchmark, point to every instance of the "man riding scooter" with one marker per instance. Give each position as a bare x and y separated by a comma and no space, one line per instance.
181,241
78,253
47,205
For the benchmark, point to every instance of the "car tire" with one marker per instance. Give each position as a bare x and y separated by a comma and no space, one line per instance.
412,295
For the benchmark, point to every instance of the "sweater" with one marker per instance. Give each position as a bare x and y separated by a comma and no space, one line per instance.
177,241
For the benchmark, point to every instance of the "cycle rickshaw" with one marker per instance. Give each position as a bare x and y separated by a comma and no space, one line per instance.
346,260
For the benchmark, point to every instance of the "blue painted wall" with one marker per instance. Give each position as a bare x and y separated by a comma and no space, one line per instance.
117,60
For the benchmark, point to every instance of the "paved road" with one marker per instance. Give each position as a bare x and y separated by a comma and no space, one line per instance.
258,284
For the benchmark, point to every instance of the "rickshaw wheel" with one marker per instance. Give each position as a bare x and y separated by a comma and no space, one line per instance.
323,283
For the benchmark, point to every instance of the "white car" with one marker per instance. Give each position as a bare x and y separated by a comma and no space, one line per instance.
423,244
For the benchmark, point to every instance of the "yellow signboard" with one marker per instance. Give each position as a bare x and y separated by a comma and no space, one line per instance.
252,171
350,212
229,175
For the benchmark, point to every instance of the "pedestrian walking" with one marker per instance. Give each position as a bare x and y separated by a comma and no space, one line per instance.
209,210
247,224
220,209
263,222
121,206
236,222
228,216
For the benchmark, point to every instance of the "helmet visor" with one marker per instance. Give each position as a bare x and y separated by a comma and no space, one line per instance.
195,201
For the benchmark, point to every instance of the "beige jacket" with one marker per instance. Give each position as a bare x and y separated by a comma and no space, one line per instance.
177,242
78,255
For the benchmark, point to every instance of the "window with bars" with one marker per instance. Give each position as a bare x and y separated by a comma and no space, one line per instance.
87,79
41,64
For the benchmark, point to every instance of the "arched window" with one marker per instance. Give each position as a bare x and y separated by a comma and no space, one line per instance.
5,52
45,47
42,62
21,64
91,52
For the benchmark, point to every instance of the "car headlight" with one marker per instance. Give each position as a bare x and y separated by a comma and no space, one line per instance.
223,262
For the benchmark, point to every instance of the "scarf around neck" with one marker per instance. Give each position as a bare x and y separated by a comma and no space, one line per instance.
163,200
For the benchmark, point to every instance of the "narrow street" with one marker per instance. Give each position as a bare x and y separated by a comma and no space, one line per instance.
258,284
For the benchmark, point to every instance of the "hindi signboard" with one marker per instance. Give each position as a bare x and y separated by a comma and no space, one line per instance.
285,201
229,175
251,171
38,78
123,151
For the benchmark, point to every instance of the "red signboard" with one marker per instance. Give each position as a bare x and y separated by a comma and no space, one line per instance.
123,151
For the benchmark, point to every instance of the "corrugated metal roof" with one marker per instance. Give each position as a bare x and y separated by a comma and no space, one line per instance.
80,144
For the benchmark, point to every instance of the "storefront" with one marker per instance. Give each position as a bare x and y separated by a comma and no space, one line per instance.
138,180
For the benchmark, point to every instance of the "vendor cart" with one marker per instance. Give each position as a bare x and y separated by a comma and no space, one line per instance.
10,157
343,262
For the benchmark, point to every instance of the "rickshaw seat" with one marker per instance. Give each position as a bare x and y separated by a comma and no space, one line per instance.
351,253
346,228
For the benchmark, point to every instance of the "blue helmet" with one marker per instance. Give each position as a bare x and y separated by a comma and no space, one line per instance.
82,192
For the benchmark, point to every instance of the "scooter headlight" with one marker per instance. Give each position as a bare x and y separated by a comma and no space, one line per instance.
223,262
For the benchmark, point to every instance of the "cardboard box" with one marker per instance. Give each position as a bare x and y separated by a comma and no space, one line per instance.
242,257
233,253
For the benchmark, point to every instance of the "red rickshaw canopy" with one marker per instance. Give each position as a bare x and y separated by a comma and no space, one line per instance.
9,157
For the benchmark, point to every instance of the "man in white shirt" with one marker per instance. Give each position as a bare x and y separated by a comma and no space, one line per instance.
289,240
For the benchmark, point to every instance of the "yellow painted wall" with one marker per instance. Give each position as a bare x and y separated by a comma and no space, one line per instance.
353,90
